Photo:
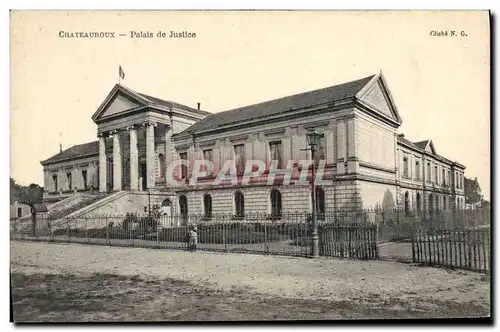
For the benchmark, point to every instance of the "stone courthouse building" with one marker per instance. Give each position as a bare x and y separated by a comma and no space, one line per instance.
367,163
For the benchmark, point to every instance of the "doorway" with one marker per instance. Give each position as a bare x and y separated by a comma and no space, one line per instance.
143,174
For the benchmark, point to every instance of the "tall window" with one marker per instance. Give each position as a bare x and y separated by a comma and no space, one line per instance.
161,163
320,152
276,152
428,172
456,180
184,169
437,202
431,202
407,203
208,155
436,179
405,166
417,170
54,180
275,203
239,203
444,203
443,174
320,200
419,201
19,211
70,184
183,207
239,152
207,204
84,176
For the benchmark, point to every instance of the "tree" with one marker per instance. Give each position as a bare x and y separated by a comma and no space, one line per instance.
472,191
32,194
15,191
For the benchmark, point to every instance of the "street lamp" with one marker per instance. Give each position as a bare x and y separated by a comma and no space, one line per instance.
313,138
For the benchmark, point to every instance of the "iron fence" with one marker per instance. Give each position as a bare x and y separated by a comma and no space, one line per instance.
366,234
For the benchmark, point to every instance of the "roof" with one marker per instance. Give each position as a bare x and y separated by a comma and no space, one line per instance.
402,139
39,207
167,103
422,144
277,106
75,151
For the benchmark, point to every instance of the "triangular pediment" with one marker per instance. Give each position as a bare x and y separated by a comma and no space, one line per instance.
430,148
118,101
377,96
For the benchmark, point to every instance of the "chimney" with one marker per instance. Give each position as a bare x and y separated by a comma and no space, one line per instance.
199,106
60,147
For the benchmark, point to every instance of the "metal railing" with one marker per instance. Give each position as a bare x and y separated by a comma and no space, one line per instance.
349,234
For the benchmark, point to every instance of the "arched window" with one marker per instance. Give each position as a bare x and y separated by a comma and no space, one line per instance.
444,203
431,202
161,163
320,200
239,203
407,203
275,203
419,202
166,202
437,202
183,207
207,205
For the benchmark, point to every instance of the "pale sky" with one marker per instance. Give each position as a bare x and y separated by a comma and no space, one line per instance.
441,85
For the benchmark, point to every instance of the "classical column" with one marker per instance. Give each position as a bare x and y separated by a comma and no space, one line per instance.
134,159
117,162
168,147
150,154
102,163
341,146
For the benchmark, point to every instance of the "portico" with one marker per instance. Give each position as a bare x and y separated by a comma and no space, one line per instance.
134,132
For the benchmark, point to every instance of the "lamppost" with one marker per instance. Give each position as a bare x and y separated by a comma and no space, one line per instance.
313,138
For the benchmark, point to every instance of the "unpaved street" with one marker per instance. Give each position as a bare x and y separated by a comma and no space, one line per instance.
110,283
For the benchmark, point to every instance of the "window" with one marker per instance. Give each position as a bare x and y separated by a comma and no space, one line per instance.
183,207
84,176
19,211
443,177
419,202
320,200
239,152
161,163
275,203
436,174
428,172
407,203
405,167
431,202
184,169
437,202
239,203
456,180
207,204
208,155
276,152
444,203
449,177
320,152
70,184
54,180
417,170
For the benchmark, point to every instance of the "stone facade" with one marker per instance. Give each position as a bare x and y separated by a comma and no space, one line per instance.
368,164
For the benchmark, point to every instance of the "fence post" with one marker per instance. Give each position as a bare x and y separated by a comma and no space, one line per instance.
67,229
107,230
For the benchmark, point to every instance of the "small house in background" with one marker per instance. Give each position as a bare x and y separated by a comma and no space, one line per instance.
18,210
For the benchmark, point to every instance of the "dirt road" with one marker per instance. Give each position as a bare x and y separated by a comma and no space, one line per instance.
57,281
